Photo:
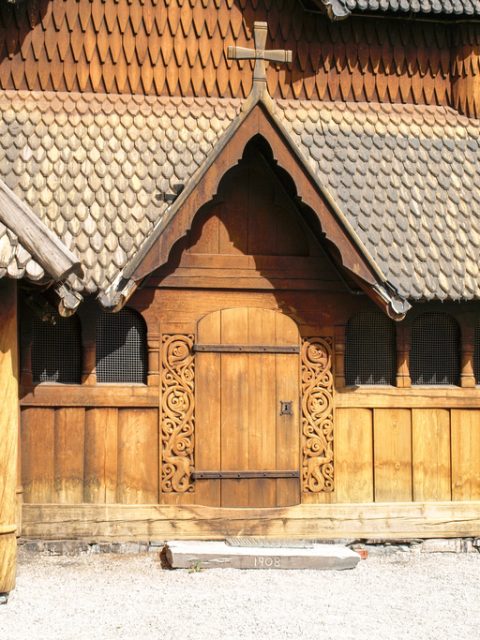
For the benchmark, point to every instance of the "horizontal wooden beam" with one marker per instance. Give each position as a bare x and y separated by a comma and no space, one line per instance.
113,395
414,397
390,521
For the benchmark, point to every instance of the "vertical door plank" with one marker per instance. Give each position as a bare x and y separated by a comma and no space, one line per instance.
234,407
431,455
354,455
288,427
38,443
262,410
69,454
137,456
465,454
392,444
101,455
207,412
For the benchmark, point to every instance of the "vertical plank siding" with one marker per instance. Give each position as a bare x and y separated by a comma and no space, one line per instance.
73,455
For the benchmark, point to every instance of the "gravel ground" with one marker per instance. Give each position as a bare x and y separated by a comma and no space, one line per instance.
115,597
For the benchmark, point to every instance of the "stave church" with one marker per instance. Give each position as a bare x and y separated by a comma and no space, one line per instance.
239,270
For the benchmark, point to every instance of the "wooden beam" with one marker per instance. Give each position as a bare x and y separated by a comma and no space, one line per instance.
117,522
46,248
8,433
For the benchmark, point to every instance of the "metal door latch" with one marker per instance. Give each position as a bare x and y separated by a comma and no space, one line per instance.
286,408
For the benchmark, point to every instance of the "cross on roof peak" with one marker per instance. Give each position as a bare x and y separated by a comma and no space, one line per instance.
259,54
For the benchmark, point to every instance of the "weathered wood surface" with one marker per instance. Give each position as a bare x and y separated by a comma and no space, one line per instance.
156,522
8,433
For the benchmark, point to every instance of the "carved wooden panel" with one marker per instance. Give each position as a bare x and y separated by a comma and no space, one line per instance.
317,415
177,421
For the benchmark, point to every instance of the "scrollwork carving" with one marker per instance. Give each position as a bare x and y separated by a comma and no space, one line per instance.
317,415
177,413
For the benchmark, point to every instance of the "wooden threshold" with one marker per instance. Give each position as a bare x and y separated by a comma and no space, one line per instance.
381,521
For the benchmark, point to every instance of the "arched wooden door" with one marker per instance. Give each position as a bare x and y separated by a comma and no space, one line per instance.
247,409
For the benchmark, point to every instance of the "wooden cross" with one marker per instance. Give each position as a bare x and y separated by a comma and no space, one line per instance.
259,54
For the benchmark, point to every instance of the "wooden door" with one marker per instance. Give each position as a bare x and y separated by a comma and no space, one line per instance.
247,364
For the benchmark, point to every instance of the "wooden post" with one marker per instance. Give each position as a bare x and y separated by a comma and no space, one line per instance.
340,356
404,380
8,433
467,374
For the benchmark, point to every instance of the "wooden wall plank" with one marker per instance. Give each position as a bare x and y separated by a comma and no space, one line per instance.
69,455
392,446
38,442
465,454
101,455
353,455
288,427
431,455
132,522
138,456
207,411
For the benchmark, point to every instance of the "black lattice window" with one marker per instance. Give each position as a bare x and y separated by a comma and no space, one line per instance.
435,350
121,347
57,351
476,354
370,352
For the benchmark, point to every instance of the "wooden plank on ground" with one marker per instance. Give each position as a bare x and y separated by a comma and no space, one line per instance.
392,446
431,455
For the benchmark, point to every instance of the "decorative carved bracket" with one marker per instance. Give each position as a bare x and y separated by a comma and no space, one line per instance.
177,421
317,415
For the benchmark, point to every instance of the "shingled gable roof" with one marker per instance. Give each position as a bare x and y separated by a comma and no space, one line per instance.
28,249
256,117
94,168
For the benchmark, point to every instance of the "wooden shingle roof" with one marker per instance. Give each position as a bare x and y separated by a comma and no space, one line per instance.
102,170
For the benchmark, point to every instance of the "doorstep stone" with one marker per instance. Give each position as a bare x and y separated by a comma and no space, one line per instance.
197,555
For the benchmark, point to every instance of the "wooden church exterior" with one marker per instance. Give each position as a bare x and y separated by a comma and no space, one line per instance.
243,283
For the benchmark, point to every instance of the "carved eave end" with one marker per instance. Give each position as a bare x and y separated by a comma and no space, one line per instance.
396,305
69,299
117,294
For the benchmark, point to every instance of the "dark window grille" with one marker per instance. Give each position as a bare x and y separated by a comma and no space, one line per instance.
121,352
370,353
476,353
435,350
57,351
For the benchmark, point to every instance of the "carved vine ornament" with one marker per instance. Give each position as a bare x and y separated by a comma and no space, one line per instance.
317,415
177,413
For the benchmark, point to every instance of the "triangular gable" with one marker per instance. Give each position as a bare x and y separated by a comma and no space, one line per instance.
256,119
